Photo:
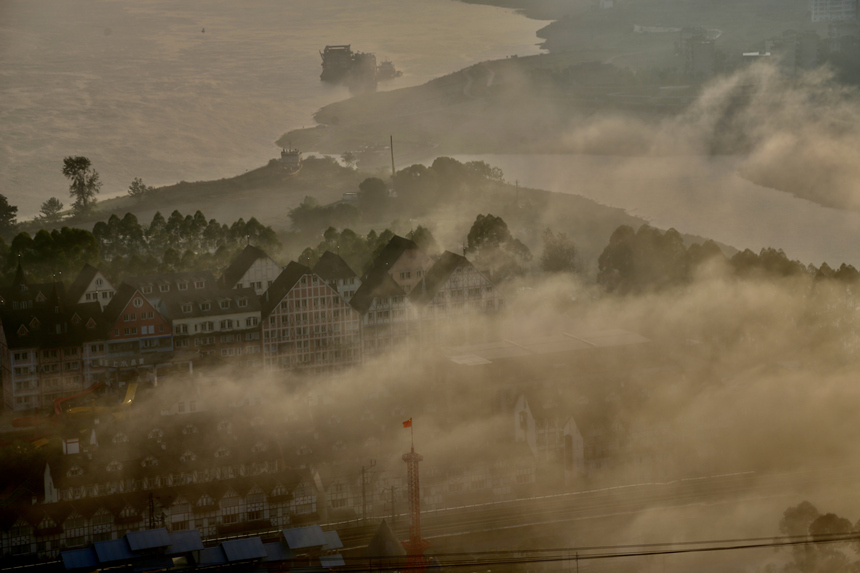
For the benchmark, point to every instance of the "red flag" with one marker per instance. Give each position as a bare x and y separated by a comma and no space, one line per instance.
407,423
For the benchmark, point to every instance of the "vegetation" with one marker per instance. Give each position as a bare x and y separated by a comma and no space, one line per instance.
648,260
50,211
804,522
495,248
138,190
559,253
8,215
84,183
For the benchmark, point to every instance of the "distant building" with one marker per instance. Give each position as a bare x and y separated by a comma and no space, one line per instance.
307,325
698,52
42,343
337,274
139,337
155,287
252,268
388,318
404,261
448,295
833,10
91,286
216,321
795,51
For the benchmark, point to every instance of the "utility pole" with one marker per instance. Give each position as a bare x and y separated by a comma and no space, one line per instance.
391,145
364,489
151,511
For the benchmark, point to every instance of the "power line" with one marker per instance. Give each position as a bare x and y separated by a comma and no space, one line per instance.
579,554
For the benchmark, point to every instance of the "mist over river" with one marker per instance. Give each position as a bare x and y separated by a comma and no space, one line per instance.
704,196
143,91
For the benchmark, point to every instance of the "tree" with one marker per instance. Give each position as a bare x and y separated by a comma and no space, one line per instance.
138,189
84,183
373,198
642,260
559,253
496,248
349,159
425,240
8,214
49,213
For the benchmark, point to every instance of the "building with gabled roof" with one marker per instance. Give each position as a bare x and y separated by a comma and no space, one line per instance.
449,295
215,321
91,286
156,286
388,318
251,268
337,273
138,336
307,325
403,260
42,341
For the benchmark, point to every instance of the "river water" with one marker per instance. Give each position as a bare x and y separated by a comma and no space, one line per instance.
698,195
143,91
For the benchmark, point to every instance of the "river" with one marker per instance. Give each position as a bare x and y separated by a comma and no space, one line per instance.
143,91
698,195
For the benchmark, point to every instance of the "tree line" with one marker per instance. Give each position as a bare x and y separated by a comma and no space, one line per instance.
648,260
123,246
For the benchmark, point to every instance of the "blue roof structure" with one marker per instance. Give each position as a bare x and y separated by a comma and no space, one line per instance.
184,542
243,549
277,551
113,550
334,560
332,541
152,564
211,556
80,559
304,537
148,539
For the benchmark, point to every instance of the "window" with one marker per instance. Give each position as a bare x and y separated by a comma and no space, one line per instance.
207,326
205,306
147,289
252,321
22,355
242,302
164,288
182,285
224,304
199,284
226,324
186,307
138,302
99,282
181,329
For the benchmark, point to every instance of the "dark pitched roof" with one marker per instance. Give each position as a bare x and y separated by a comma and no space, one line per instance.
46,328
437,276
377,283
392,251
171,280
384,543
281,286
173,302
119,301
83,280
240,265
332,267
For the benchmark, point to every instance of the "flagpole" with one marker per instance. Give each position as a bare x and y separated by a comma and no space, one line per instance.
412,433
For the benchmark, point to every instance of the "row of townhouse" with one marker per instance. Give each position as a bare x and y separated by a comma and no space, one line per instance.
55,342
228,468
